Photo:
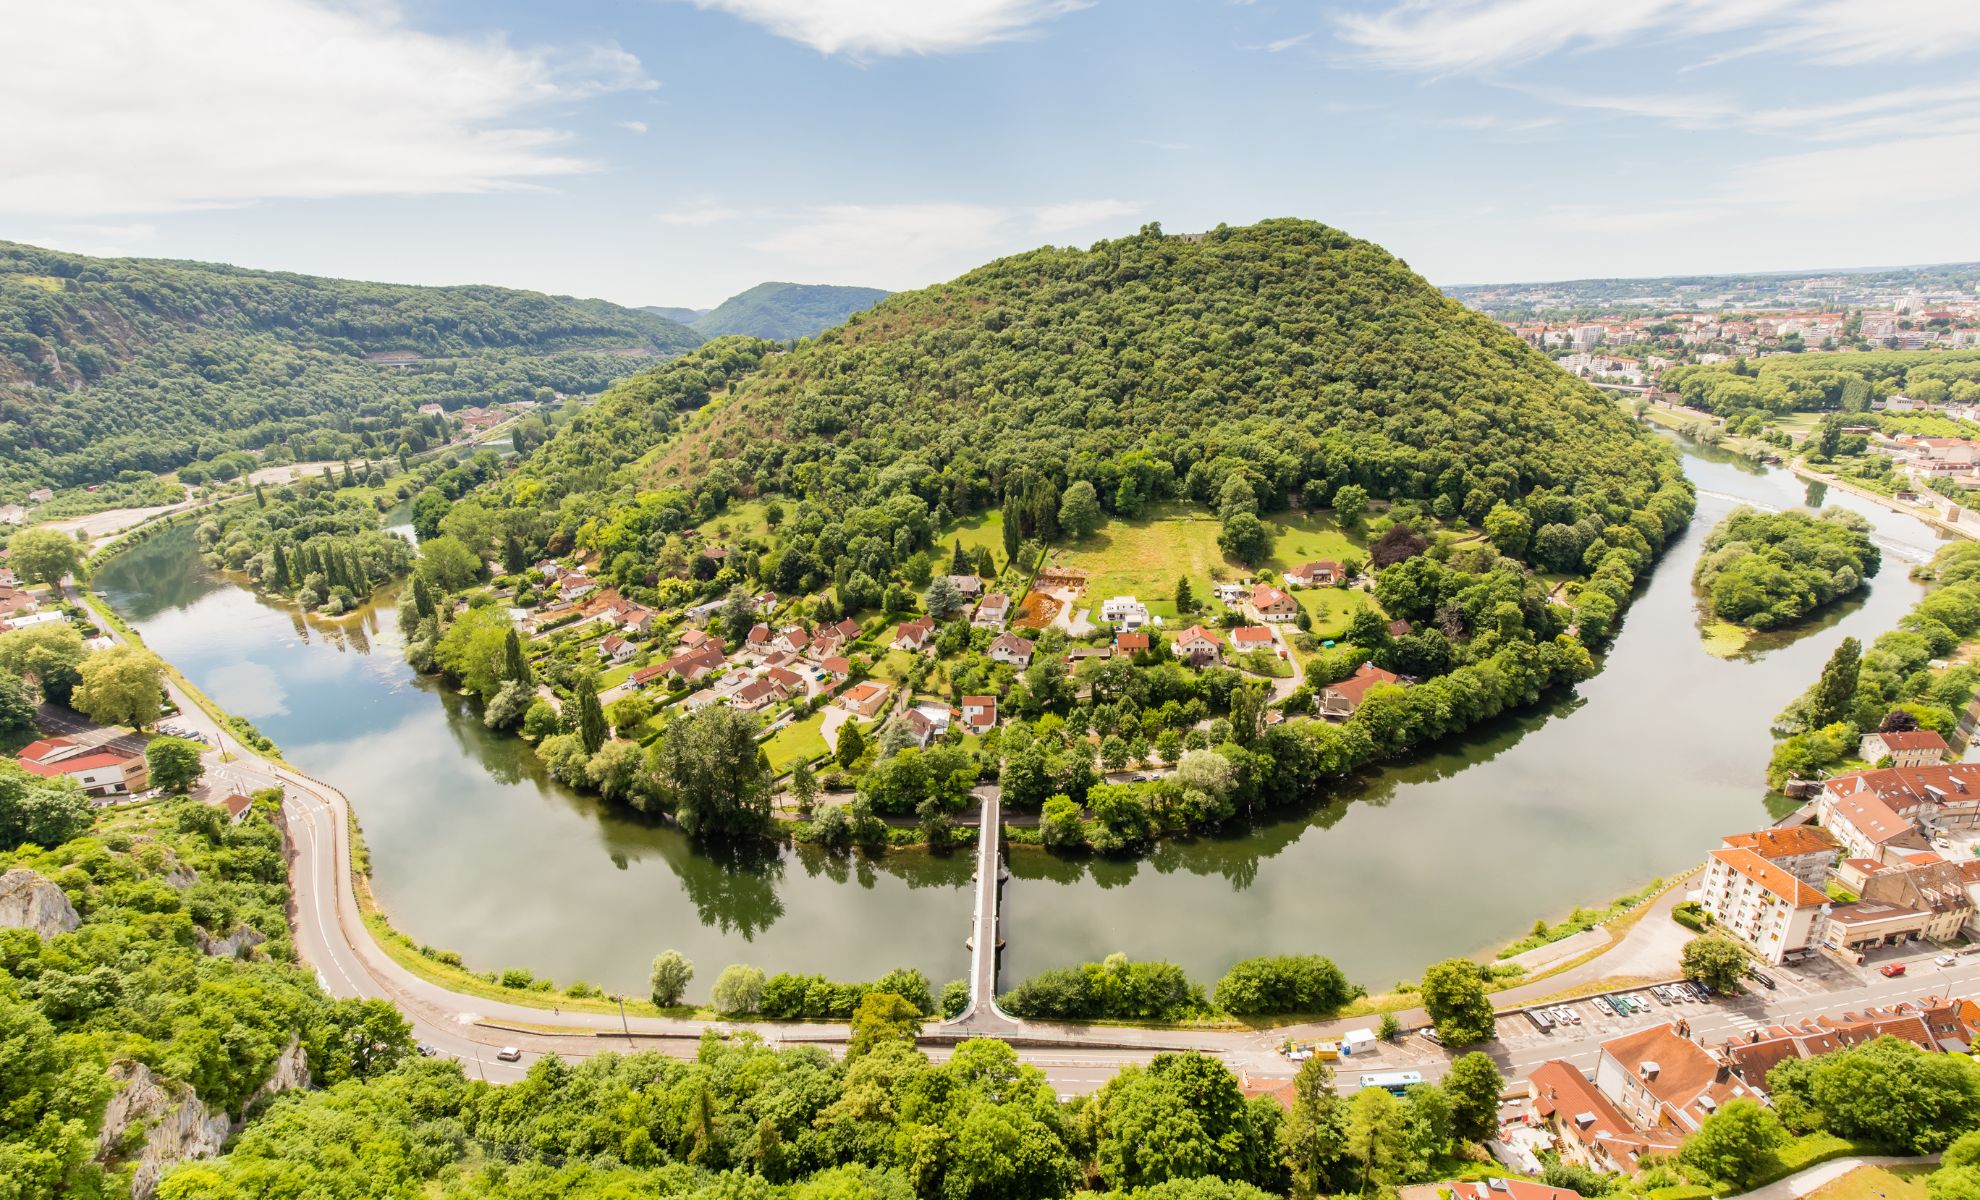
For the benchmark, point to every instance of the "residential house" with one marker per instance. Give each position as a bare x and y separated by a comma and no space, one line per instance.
1246,638
1272,605
615,649
549,568
938,716
1198,647
1924,883
1761,903
1130,643
969,587
1323,573
992,611
691,666
914,635
979,713
1806,852
763,604
1230,593
758,639
41,495
753,696
1663,1082
787,682
865,699
1910,804
919,727
237,808
695,639
838,667
1587,1127
1124,612
1502,1189
1339,700
793,639
829,640
1913,748
97,770
17,603
1010,648
12,514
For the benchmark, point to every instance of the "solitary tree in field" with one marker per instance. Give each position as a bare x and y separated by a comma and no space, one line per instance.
1714,960
591,716
670,976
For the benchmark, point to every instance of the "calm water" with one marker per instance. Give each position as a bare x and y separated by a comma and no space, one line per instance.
474,849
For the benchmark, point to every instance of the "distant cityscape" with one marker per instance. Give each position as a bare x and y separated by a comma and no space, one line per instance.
1629,331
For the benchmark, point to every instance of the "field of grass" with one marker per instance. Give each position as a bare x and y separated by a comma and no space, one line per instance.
1877,1183
741,519
1304,537
615,676
893,665
976,532
1143,557
1332,608
798,740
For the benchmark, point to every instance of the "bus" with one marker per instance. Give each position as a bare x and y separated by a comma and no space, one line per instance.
1393,1082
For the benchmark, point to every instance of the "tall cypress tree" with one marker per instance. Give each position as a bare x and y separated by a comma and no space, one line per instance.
280,569
515,664
514,557
1011,531
591,716
350,480
1835,692
422,598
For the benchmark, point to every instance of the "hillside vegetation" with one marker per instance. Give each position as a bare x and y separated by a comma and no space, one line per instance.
785,311
1827,382
109,365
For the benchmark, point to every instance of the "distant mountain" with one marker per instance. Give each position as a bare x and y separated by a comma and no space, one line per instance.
131,364
782,311
682,316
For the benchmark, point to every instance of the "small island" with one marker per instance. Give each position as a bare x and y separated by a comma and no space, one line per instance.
1761,572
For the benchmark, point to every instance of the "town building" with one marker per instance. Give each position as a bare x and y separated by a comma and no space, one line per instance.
913,636
1010,648
1272,605
98,770
1806,852
1130,643
1198,647
979,713
1323,573
1913,748
992,611
1246,638
1762,904
1124,612
865,699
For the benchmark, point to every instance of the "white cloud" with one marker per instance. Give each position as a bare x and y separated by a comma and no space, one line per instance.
911,245
699,214
1459,36
886,27
633,126
205,103
103,241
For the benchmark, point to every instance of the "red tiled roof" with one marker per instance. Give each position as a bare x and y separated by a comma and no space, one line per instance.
1784,843
1251,633
1771,877
1916,739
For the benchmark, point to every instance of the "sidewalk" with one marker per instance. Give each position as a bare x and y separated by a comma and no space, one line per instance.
1801,1183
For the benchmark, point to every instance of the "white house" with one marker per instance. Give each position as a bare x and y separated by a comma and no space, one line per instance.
1124,612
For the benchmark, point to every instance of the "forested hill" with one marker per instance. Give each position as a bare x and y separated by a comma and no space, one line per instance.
785,311
1286,352
135,364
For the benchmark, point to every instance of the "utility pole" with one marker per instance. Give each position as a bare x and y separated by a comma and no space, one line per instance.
623,1023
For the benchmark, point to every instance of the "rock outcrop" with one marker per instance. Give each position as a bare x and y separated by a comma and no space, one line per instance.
28,901
234,945
174,1123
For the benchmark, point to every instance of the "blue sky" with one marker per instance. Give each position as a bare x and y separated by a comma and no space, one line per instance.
677,151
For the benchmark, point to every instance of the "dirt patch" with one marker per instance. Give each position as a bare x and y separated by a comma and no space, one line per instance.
1036,611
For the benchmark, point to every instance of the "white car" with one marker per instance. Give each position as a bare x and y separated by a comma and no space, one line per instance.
1945,960
509,1054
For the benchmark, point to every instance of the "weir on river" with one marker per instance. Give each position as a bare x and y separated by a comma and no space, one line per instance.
474,849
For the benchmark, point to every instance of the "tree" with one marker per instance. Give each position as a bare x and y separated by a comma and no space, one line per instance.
1714,960
882,1017
509,706
44,555
1313,1139
709,771
669,978
1735,1144
942,599
174,763
121,685
1079,510
1455,997
50,654
1245,538
1350,504
591,715
851,744
1185,599
46,812
738,990
1835,692
1509,529
1013,532
447,564
16,707
515,664
1377,1138
1474,1086
804,785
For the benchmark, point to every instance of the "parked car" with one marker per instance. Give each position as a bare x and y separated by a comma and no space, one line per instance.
1761,978
1603,1006
1945,960
509,1054
1891,970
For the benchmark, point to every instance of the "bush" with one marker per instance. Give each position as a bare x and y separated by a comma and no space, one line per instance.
1691,915
1112,990
1284,983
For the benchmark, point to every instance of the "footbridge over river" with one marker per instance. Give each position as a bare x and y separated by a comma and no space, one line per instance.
986,939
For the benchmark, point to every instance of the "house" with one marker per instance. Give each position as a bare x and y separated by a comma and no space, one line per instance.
14,602
1806,852
549,568
1761,903
979,713
918,726
1913,748
1869,828
1504,1189
913,635
865,699
689,667
837,666
1130,643
695,639
832,639
1897,807
1662,1082
238,807
1230,593
969,587
1198,647
992,611
938,717
1323,573
1246,638
97,770
1010,648
1273,605
1124,612
753,696
432,410
763,604
1340,700
787,682
1924,882
1930,1024
793,639
574,586
758,638
615,649
12,514
1588,1128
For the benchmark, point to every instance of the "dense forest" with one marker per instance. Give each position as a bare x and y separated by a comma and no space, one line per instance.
1767,570
784,312
323,547
111,365
1827,382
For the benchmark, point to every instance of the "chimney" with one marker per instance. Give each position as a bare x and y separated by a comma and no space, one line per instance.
1649,1069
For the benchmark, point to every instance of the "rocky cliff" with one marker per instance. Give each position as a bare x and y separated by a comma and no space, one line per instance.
28,901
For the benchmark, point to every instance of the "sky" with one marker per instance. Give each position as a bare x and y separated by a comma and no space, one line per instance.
677,151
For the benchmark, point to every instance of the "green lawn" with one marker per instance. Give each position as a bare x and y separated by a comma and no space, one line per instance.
893,665
798,740
976,532
1143,557
1332,608
1304,537
614,677
740,519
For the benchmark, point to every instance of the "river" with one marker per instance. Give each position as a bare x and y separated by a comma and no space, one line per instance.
1634,775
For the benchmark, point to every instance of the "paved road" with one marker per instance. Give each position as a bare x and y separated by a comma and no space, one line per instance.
1801,1183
